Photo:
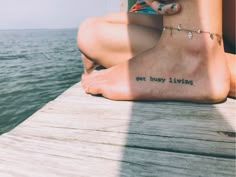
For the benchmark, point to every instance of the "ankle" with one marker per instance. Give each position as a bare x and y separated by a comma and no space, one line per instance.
203,59
193,40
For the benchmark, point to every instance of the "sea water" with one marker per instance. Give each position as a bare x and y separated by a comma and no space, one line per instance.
35,67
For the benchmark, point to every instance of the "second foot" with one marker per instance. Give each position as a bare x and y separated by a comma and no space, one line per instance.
163,73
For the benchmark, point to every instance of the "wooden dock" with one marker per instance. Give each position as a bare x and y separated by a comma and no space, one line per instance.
79,135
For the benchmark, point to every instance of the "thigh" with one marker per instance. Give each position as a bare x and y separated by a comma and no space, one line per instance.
114,38
229,25
147,20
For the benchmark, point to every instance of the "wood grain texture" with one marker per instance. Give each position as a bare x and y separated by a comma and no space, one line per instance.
79,135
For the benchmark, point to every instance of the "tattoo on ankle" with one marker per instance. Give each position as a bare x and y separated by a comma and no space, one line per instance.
140,78
157,79
161,80
180,81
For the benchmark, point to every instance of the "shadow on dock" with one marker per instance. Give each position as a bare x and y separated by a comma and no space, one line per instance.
179,139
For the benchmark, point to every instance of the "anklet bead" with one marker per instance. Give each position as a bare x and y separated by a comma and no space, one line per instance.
190,35
219,39
190,32
211,36
199,31
179,27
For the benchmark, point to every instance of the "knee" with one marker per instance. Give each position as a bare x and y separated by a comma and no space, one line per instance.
86,35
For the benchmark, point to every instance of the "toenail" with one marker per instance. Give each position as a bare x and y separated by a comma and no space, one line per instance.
173,7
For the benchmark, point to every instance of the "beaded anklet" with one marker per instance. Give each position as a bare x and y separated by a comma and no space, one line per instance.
190,33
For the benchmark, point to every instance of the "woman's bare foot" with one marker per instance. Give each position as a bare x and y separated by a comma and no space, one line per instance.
189,71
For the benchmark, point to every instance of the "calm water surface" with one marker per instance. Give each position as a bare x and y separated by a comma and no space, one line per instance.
35,67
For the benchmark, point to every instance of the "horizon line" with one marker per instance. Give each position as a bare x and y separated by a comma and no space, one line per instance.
11,29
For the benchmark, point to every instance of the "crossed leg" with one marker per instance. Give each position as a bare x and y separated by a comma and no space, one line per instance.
117,37
126,86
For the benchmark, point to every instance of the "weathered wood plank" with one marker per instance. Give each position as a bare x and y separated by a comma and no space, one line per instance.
81,135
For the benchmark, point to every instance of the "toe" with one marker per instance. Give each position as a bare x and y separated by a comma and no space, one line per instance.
95,89
84,76
92,83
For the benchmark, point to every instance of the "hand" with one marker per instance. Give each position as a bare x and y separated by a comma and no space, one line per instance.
164,7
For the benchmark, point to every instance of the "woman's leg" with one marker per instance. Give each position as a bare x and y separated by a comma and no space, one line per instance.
179,67
117,37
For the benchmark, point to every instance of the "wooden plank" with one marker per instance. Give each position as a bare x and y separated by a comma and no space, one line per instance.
82,135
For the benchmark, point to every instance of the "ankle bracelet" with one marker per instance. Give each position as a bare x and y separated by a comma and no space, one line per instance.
190,32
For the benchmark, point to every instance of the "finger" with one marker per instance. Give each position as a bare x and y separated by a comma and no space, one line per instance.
160,1
163,8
